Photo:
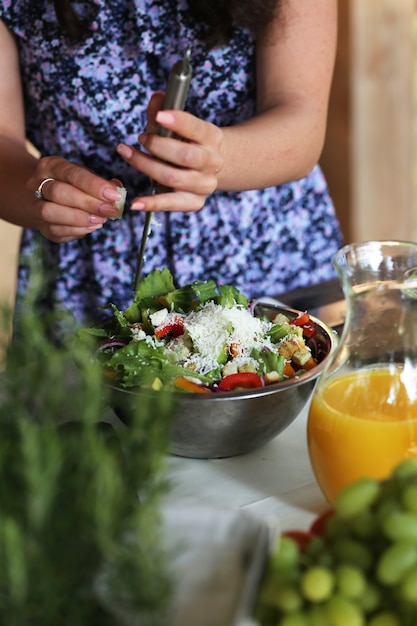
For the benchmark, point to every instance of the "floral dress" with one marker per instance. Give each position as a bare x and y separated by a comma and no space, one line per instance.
82,100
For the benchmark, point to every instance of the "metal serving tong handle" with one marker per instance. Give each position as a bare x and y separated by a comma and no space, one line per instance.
175,97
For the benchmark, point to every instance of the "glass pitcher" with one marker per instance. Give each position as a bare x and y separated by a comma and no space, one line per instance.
363,414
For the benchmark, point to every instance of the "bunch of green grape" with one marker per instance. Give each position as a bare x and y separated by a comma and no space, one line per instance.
357,564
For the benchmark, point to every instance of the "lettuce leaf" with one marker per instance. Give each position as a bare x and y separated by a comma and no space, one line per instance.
138,364
156,283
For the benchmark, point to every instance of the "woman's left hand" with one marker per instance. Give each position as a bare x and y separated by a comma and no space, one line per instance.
187,164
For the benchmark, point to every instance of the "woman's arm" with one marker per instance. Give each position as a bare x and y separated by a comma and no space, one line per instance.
77,203
281,143
16,164
295,64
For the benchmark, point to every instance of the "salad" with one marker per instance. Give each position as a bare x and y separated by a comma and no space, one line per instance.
202,338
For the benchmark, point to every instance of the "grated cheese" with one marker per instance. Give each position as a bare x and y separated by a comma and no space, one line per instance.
213,327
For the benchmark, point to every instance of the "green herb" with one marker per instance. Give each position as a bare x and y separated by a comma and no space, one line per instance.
80,499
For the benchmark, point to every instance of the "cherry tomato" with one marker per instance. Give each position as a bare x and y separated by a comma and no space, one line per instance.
242,380
318,525
301,537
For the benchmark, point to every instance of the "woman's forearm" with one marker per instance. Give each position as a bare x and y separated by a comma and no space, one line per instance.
17,166
272,148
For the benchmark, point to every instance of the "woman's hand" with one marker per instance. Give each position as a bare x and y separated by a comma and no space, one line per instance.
188,164
73,201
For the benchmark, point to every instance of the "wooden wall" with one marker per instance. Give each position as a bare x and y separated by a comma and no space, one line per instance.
368,156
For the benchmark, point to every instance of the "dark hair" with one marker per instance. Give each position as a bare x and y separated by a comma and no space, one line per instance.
68,19
216,17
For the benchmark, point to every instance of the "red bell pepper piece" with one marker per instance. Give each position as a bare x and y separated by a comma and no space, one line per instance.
308,330
174,326
303,318
242,380
304,321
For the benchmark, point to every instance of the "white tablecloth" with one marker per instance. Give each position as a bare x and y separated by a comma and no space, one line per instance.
275,482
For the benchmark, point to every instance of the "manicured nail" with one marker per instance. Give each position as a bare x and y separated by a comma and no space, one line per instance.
95,219
111,194
125,151
137,206
108,210
163,117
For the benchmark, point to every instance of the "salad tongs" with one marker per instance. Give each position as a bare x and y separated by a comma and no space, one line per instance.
175,97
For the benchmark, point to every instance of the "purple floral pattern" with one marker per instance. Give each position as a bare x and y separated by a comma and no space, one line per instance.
82,100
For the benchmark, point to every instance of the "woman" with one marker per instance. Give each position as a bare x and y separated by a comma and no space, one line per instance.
249,205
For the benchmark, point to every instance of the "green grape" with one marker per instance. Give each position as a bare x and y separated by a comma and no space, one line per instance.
294,619
409,497
408,587
352,551
395,562
318,616
401,526
406,469
287,598
350,581
362,571
343,612
357,497
363,525
384,619
337,527
267,593
371,598
384,508
316,550
276,577
317,583
284,554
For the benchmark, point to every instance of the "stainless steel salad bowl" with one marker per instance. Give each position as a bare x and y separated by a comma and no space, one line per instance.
229,423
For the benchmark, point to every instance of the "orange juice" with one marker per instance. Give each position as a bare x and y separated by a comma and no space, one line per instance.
361,424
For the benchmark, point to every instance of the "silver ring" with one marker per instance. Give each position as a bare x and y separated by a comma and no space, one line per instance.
38,192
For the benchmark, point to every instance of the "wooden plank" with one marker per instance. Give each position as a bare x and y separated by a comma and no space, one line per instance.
368,156
382,118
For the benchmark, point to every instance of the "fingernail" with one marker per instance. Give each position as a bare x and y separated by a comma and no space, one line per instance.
137,206
111,194
163,117
95,227
125,151
107,210
95,219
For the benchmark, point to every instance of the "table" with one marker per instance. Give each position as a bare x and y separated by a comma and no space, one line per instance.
275,482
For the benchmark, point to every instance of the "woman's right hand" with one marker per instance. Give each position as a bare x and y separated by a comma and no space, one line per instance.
74,203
